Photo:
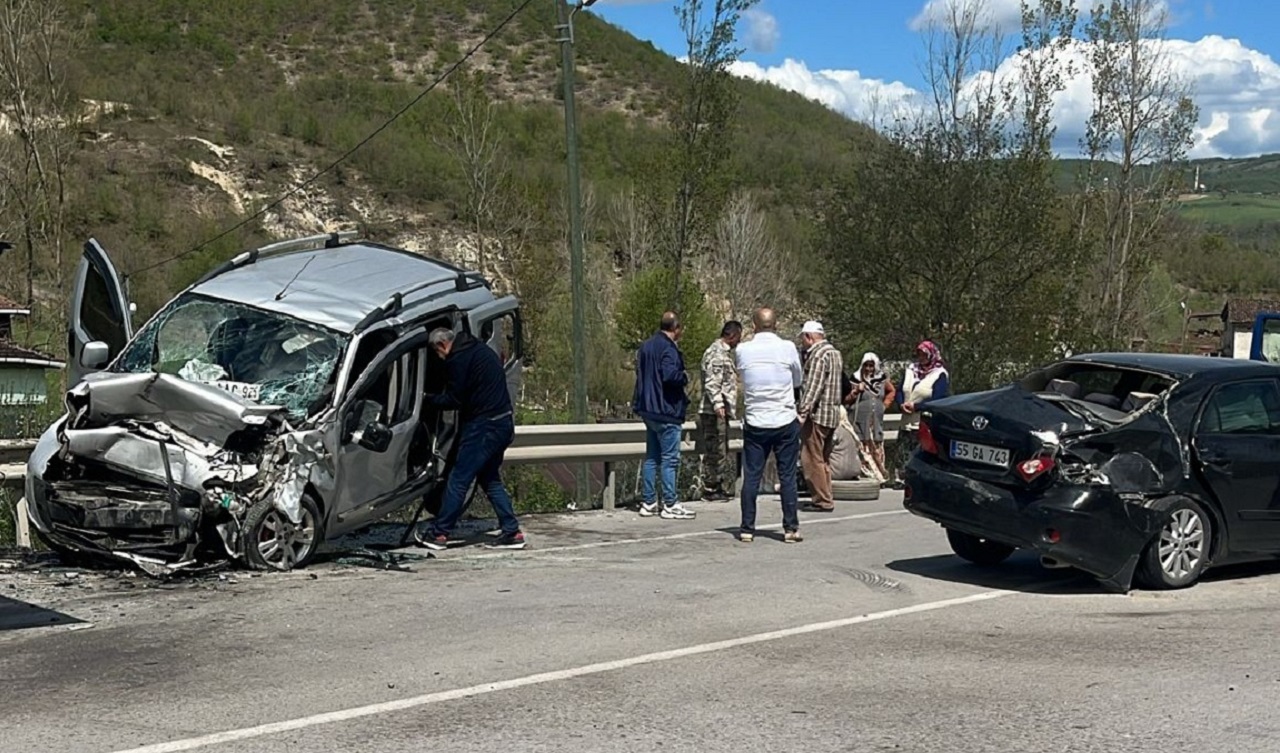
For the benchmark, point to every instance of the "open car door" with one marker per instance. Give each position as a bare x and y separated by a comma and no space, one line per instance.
498,325
380,419
99,323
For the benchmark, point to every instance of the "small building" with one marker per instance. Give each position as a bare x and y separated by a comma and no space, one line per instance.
1238,315
22,370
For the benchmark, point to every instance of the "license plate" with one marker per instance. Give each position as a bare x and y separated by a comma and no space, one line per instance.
251,392
980,453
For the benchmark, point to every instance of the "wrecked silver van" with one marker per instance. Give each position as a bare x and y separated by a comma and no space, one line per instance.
274,404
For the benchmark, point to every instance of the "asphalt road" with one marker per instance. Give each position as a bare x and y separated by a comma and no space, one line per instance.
616,633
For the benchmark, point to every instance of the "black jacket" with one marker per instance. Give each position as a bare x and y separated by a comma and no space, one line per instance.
477,383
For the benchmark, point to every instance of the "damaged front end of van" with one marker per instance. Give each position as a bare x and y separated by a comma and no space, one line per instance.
169,474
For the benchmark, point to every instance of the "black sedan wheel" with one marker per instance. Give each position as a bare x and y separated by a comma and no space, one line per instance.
1176,558
978,550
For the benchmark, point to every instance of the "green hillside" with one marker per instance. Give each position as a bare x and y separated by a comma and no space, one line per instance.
292,85
1249,175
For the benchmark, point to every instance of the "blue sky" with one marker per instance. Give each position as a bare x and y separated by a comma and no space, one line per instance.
842,51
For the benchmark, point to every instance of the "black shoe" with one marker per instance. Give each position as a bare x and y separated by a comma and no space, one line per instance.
715,495
508,541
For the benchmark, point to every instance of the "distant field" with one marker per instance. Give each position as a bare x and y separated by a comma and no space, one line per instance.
1235,209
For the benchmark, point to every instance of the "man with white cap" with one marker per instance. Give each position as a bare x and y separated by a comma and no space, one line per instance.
819,408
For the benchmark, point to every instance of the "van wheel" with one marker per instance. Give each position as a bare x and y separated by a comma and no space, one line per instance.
978,550
1177,556
273,542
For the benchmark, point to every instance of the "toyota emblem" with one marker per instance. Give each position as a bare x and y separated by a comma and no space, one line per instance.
980,423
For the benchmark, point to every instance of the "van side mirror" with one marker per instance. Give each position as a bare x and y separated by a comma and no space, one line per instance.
95,355
376,437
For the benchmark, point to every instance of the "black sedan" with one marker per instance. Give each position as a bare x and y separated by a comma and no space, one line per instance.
1134,468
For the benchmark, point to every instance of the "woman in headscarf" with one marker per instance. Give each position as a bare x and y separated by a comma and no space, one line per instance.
872,391
926,379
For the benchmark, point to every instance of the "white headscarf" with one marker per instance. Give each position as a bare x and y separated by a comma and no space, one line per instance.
869,356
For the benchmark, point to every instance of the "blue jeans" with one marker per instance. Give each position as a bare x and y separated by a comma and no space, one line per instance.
662,448
481,446
784,443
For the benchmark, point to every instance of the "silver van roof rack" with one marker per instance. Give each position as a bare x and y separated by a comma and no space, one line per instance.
310,242
395,304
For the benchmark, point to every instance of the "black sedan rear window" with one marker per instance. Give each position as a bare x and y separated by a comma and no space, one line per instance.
1112,387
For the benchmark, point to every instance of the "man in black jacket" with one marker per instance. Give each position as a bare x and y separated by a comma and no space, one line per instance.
477,389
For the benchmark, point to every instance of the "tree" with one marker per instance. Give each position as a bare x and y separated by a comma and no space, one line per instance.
632,231
643,299
747,267
476,145
41,111
1136,141
703,124
954,230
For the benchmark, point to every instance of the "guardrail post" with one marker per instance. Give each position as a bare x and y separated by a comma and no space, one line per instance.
21,525
610,487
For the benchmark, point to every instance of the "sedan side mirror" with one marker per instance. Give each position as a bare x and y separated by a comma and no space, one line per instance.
95,355
375,437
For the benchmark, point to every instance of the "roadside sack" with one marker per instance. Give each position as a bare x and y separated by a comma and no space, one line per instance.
846,463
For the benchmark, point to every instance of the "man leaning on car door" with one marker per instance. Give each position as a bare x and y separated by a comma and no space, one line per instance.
476,388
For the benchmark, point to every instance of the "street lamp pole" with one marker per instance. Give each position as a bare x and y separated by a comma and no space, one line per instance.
564,35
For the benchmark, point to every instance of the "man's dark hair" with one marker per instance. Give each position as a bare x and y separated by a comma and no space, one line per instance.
732,328
670,322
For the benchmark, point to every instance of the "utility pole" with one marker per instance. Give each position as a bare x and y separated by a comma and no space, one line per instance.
564,35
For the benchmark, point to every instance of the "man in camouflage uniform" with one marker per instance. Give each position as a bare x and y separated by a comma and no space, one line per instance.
719,397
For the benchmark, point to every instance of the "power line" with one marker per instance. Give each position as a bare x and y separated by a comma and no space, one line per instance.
329,168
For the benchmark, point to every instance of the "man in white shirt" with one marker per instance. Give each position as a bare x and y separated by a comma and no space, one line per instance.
771,374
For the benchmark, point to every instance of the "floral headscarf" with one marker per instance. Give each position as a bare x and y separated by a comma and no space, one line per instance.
933,364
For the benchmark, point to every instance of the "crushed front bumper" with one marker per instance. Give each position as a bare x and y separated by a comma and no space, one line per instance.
1088,527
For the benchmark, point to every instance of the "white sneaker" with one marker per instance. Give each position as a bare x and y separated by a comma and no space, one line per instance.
677,512
648,511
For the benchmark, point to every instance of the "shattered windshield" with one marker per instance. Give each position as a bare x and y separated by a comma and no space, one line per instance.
265,357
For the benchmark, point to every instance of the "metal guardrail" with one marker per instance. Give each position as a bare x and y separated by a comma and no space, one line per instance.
608,443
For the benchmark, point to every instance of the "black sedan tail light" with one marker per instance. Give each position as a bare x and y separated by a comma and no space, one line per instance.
927,441
1036,467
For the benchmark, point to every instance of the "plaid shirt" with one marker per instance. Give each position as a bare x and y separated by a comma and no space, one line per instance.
719,379
820,398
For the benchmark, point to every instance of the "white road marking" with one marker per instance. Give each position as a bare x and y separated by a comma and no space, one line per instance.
666,537
330,717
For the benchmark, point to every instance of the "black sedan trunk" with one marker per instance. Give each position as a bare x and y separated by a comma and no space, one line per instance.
988,434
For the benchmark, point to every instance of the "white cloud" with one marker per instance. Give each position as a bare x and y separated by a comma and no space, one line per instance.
1236,88
1004,15
1001,14
844,91
762,30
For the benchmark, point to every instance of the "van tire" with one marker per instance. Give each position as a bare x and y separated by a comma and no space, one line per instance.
265,522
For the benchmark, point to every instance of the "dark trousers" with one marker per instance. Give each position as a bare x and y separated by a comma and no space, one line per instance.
481,446
784,443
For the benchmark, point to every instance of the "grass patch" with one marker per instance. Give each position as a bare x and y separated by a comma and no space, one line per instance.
1233,210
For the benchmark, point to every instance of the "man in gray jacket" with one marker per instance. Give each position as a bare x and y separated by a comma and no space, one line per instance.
719,398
